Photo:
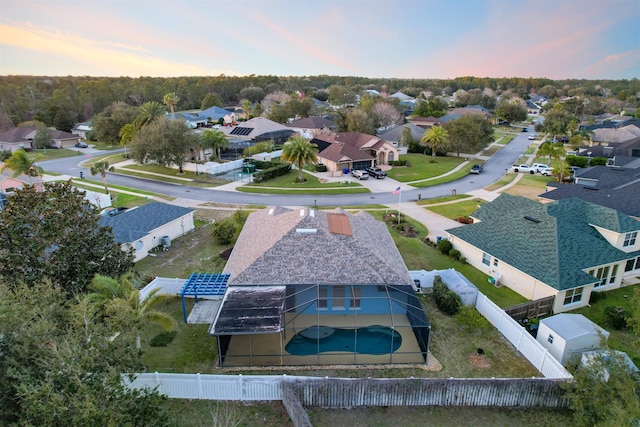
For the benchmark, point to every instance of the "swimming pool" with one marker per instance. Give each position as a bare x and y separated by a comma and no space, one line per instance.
324,339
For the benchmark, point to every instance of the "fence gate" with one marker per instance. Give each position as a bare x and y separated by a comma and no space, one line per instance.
532,309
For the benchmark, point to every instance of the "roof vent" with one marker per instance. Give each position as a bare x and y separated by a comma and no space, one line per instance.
532,219
306,230
271,211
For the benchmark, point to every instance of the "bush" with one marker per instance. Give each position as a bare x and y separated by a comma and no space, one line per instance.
446,300
224,231
579,161
616,317
465,220
272,172
471,320
455,254
321,168
4,155
444,246
599,161
163,339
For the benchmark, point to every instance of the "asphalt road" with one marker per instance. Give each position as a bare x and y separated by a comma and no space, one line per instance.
494,169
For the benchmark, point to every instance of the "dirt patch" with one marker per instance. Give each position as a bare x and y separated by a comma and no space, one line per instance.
479,361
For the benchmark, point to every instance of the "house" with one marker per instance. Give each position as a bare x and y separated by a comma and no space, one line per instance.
259,129
532,108
612,187
308,127
310,287
395,135
22,137
146,227
567,249
201,118
82,129
353,150
567,336
425,122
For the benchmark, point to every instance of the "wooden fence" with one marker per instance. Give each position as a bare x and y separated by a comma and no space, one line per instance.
494,392
532,309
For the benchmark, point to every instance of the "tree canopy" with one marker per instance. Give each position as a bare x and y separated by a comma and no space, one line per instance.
511,111
163,141
301,152
54,234
436,138
469,134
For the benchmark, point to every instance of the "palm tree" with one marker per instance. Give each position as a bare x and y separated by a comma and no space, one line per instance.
436,138
215,139
149,111
126,135
246,108
101,167
551,150
300,151
171,99
21,164
107,290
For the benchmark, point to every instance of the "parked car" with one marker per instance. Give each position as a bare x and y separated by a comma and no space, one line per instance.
376,172
81,144
531,136
359,174
537,167
112,211
476,168
525,130
547,172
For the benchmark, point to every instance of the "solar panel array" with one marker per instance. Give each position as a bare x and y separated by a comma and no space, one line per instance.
240,131
200,284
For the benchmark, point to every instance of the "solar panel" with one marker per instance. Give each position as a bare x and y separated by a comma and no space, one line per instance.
241,131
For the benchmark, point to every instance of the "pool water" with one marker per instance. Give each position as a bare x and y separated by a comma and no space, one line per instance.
367,340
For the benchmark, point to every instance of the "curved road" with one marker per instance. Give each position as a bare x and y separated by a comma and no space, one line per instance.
494,168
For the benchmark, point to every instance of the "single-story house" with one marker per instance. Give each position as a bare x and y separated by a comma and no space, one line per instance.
353,150
22,137
613,187
566,249
396,134
82,129
567,336
309,287
148,226
259,129
308,127
425,122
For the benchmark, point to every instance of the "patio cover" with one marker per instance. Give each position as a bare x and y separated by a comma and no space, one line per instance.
250,310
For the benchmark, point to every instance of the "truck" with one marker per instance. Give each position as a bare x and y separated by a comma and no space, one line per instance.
523,168
376,172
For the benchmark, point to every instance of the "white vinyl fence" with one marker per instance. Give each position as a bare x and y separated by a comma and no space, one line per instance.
531,349
212,387
213,168
166,286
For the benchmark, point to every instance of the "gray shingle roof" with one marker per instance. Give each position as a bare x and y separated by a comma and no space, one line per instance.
555,244
271,251
138,222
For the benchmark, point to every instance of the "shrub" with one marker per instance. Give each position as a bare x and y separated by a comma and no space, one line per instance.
470,320
599,161
444,246
597,296
321,168
4,155
224,231
272,172
446,300
465,220
616,317
163,339
455,254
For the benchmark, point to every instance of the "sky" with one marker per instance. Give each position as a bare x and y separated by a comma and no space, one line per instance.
423,39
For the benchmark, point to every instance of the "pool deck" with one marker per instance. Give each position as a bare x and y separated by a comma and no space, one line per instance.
268,349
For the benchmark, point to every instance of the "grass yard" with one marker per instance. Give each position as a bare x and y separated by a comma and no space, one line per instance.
529,186
422,168
624,340
199,413
443,199
491,150
458,209
462,172
507,179
445,416
166,174
507,138
51,154
286,184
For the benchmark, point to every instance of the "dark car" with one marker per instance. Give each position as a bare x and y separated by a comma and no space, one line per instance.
476,169
525,130
112,211
81,144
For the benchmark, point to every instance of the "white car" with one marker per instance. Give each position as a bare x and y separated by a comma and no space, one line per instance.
531,137
546,171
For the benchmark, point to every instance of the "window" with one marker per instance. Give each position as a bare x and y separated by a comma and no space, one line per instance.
614,271
323,294
629,265
486,258
603,275
495,262
338,298
354,302
630,239
550,339
573,296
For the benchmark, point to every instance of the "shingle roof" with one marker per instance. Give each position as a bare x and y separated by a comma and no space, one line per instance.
279,246
138,222
348,146
311,123
555,243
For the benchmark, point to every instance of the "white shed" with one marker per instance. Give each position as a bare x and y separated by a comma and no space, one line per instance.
453,279
567,336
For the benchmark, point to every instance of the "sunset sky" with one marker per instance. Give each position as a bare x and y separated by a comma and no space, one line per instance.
557,39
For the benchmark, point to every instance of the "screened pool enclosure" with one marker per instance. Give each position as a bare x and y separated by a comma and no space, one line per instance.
321,325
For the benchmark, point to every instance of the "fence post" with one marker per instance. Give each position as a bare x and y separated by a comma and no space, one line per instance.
157,379
199,381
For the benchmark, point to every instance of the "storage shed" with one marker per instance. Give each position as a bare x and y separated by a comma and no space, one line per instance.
453,279
567,336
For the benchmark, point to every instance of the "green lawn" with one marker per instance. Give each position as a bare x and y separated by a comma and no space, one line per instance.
286,184
464,171
459,209
443,199
421,167
51,154
506,139
507,179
